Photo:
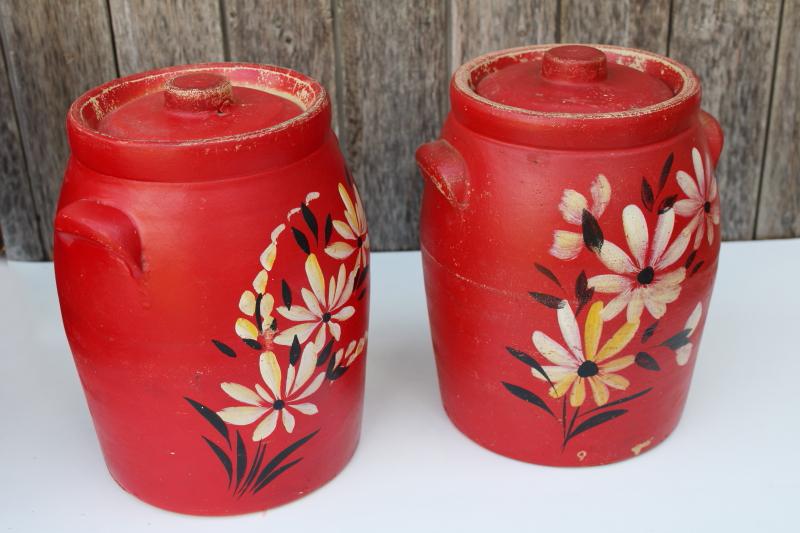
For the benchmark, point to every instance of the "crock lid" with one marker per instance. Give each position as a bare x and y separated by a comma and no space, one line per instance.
198,122
575,96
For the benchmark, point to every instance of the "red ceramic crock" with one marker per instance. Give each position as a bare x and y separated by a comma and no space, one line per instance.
570,235
211,257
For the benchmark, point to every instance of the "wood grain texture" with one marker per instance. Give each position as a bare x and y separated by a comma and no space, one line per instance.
298,35
479,26
159,33
635,23
779,207
18,225
394,97
731,46
55,51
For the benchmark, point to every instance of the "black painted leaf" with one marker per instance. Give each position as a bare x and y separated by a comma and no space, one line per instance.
662,180
697,267
286,292
651,329
294,351
667,203
278,459
528,396
338,372
322,356
275,474
646,361
254,344
592,234
328,229
251,475
301,239
274,325
530,361
690,259
212,417
361,295
241,458
548,300
311,220
679,339
361,276
223,458
582,291
596,420
224,348
547,273
621,400
647,195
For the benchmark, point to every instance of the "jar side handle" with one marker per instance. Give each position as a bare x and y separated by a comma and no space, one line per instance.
714,135
444,167
105,226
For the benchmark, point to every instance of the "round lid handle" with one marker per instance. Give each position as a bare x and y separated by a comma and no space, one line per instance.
574,63
198,91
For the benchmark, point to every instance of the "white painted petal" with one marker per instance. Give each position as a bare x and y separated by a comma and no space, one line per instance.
675,250
264,394
601,195
341,285
241,393
553,351
345,313
246,329
712,193
267,304
555,373
275,234
635,306
566,244
288,420
698,225
306,366
241,416
339,250
267,258
337,358
260,283
688,185
343,229
306,408
610,283
570,330
636,233
352,219
270,373
315,278
336,330
661,237
613,308
266,427
348,289
322,336
699,171
312,388
331,291
297,313
715,212
694,318
710,233
247,303
687,207
615,259
572,206
311,302
348,204
654,306
303,332
683,353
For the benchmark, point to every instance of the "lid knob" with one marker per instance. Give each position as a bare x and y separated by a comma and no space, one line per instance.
574,63
198,91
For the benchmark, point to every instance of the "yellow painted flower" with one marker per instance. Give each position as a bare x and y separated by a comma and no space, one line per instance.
354,231
568,244
324,309
582,361
278,400
347,356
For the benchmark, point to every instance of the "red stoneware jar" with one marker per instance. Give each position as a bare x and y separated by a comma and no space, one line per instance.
211,257
570,235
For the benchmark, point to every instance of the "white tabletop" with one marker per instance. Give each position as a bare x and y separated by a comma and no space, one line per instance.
732,465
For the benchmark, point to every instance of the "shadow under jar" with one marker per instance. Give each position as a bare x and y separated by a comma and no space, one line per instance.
570,236
211,259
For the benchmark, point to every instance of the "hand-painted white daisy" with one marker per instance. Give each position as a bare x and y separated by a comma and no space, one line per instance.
355,229
274,401
348,356
322,312
683,353
641,280
581,361
257,305
568,244
702,204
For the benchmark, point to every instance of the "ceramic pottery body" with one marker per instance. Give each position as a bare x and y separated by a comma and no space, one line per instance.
570,235
211,258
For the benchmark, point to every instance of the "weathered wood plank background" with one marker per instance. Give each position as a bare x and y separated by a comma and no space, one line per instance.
387,64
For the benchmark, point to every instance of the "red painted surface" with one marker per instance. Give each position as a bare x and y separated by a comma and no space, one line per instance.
522,212
167,220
